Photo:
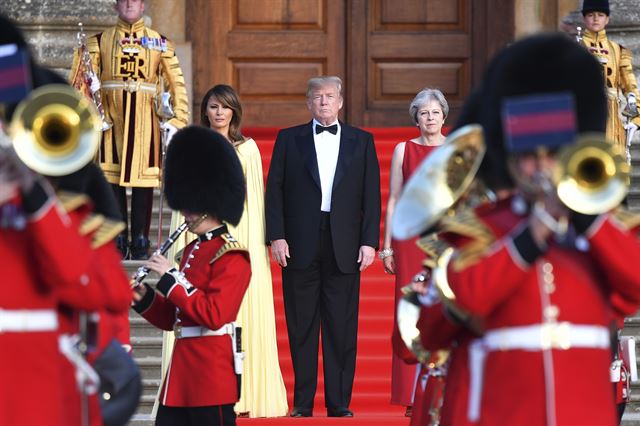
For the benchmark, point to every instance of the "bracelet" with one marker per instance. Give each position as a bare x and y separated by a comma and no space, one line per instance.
383,254
558,226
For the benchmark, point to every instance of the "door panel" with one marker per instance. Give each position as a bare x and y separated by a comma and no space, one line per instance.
409,45
267,50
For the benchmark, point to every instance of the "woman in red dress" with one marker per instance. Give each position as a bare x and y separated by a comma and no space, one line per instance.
428,110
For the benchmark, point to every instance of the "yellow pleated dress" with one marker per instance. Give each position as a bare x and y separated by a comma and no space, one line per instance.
263,393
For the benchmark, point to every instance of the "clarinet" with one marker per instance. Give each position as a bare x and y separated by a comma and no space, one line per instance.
89,75
143,271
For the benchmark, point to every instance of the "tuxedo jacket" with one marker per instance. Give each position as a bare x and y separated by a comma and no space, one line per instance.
294,196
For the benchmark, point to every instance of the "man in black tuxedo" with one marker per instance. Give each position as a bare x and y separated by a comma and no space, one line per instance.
323,223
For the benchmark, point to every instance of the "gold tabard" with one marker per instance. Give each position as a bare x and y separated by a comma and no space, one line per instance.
129,60
618,78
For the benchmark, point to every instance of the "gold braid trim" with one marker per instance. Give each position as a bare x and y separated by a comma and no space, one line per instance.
103,230
91,223
629,219
107,232
71,201
231,244
466,223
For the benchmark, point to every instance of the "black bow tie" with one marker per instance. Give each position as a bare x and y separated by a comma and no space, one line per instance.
331,129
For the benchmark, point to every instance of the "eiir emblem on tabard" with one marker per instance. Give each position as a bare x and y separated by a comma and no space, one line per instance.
130,65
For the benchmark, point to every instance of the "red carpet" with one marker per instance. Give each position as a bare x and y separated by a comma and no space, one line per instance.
372,388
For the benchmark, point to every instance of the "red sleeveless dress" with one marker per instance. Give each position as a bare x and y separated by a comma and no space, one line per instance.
408,261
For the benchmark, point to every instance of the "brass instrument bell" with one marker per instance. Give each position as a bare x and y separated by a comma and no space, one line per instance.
55,130
592,175
440,180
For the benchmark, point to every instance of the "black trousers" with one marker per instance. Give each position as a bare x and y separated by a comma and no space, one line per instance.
214,415
141,203
321,296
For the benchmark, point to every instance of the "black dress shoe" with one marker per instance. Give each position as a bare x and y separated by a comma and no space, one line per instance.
339,412
302,412
123,246
140,248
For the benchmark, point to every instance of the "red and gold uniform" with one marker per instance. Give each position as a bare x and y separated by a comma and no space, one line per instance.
547,315
129,61
202,299
47,255
619,79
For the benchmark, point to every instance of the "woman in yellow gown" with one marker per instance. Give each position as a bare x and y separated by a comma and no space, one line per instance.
263,393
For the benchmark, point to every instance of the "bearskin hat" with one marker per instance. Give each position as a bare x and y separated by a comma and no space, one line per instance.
541,64
595,6
203,174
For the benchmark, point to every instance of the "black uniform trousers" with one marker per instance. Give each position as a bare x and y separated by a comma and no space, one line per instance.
214,415
141,203
321,296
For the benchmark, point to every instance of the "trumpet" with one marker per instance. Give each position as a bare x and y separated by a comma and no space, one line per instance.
579,34
55,130
143,271
89,75
592,175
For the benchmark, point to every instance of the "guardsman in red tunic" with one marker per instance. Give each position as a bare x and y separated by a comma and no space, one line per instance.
545,280
200,301
42,253
100,309
444,334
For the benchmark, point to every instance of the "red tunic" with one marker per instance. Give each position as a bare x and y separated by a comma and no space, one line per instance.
106,295
408,262
562,285
49,254
201,369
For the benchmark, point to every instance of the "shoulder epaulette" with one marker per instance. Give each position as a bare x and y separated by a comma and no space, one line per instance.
102,229
467,224
71,201
230,244
433,247
107,232
629,219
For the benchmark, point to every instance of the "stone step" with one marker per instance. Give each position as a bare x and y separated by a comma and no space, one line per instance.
141,420
150,367
145,347
140,327
146,404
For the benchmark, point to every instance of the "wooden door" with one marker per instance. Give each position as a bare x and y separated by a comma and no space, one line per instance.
401,47
267,50
385,51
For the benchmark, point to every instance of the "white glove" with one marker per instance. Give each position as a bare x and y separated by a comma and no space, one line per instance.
631,128
168,131
95,83
631,99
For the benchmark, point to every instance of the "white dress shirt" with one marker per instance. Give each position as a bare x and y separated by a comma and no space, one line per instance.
327,149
